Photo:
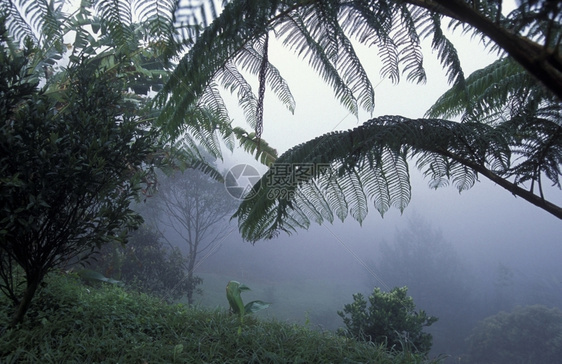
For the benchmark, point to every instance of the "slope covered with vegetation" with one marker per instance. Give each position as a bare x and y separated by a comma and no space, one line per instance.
71,322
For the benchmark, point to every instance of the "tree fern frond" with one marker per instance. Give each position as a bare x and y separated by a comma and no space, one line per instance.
242,22
463,178
230,78
446,51
376,187
352,188
53,21
354,75
37,13
369,164
335,198
314,205
158,17
297,35
178,155
248,141
273,77
117,17
410,53
42,21
436,167
395,167
250,58
388,52
16,24
485,91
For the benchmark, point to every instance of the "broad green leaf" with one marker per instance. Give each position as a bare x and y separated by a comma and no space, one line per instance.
256,306
233,296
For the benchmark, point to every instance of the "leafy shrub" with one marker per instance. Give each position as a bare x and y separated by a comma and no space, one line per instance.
391,319
531,334
146,264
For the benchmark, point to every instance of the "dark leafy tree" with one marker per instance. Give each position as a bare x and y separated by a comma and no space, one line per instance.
192,213
73,159
531,334
390,319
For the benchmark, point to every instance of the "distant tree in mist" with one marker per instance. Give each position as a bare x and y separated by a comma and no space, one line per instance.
513,286
421,258
531,334
191,211
503,288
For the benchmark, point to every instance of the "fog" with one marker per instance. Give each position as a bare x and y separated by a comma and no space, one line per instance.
497,251
310,275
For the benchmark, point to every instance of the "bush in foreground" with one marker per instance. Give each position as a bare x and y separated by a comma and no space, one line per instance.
73,323
390,320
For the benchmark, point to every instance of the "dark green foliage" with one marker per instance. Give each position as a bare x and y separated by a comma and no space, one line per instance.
531,334
391,319
72,160
73,323
147,264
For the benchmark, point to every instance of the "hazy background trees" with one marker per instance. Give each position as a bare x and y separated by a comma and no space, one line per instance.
531,334
146,263
190,212
186,221
438,279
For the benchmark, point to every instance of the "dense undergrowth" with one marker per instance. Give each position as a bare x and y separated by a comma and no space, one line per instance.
70,322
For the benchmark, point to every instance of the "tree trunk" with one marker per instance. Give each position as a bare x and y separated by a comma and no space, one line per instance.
190,288
23,306
510,186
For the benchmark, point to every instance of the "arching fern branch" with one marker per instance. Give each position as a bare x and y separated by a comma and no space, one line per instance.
503,95
494,90
368,165
321,32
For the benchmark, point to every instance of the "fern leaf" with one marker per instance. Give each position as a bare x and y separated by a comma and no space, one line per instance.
248,141
369,164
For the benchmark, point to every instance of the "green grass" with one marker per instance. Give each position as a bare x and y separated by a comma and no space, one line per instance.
73,323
